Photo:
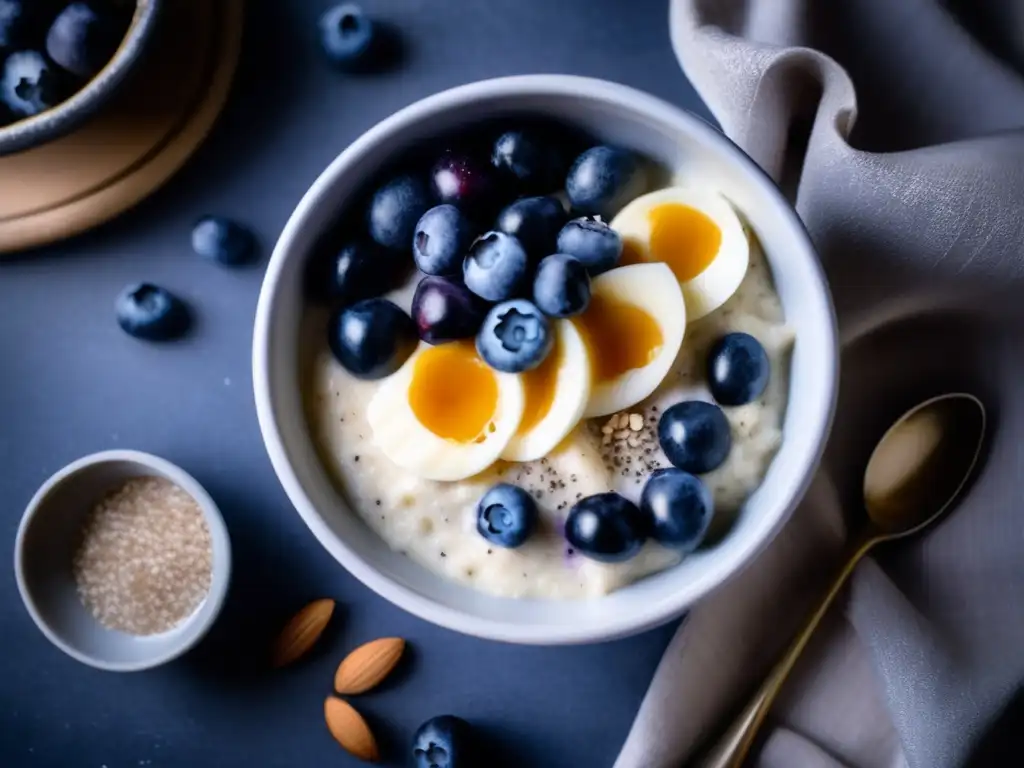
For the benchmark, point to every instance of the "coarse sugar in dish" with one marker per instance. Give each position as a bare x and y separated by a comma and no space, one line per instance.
145,560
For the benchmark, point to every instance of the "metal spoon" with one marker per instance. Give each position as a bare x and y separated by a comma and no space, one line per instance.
915,473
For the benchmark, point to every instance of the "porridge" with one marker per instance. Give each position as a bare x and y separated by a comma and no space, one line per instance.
564,445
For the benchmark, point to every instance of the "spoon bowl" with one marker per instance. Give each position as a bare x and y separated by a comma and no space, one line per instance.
921,465
915,474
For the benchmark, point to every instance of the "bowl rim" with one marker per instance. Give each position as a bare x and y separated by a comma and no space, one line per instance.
621,97
42,126
198,623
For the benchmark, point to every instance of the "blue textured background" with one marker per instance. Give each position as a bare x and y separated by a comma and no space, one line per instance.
72,383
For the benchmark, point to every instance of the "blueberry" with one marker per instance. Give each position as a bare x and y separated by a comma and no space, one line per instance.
443,235
738,369
463,180
12,19
678,508
515,337
561,287
532,163
606,527
535,222
23,23
371,338
30,84
149,312
223,241
85,36
695,436
446,311
495,267
445,741
603,179
347,35
506,515
591,241
395,209
360,269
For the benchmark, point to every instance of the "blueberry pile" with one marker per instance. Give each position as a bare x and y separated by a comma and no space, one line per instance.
49,50
504,226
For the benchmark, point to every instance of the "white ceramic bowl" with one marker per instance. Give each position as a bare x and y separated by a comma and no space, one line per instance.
45,545
617,114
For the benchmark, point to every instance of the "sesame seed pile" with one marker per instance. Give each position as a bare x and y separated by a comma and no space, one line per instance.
629,443
145,558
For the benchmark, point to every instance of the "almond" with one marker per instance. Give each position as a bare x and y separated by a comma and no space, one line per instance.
368,665
350,730
301,632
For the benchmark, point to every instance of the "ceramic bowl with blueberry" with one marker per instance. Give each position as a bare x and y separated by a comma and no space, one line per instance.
544,359
61,59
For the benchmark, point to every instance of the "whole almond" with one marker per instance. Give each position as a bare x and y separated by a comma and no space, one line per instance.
301,632
368,665
350,730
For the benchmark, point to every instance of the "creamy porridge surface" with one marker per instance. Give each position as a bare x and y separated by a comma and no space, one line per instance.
435,523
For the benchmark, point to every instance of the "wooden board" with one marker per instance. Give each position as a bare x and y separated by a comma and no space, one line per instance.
137,142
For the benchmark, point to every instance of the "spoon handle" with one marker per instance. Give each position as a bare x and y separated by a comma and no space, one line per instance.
731,749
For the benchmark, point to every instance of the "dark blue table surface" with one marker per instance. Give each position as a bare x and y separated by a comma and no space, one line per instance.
72,384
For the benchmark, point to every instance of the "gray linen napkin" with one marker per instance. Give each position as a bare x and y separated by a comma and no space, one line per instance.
899,127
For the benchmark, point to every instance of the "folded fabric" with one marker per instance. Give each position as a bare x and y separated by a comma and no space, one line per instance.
898,127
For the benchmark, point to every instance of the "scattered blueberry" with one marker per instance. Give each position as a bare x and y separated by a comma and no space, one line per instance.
695,436
535,222
495,267
561,287
606,527
515,337
738,369
347,35
395,210
591,241
371,338
678,508
445,311
506,515
445,741
85,35
223,241
603,179
534,164
149,312
443,235
463,180
30,84
360,270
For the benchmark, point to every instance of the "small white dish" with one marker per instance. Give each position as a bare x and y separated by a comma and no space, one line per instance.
45,546
615,114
